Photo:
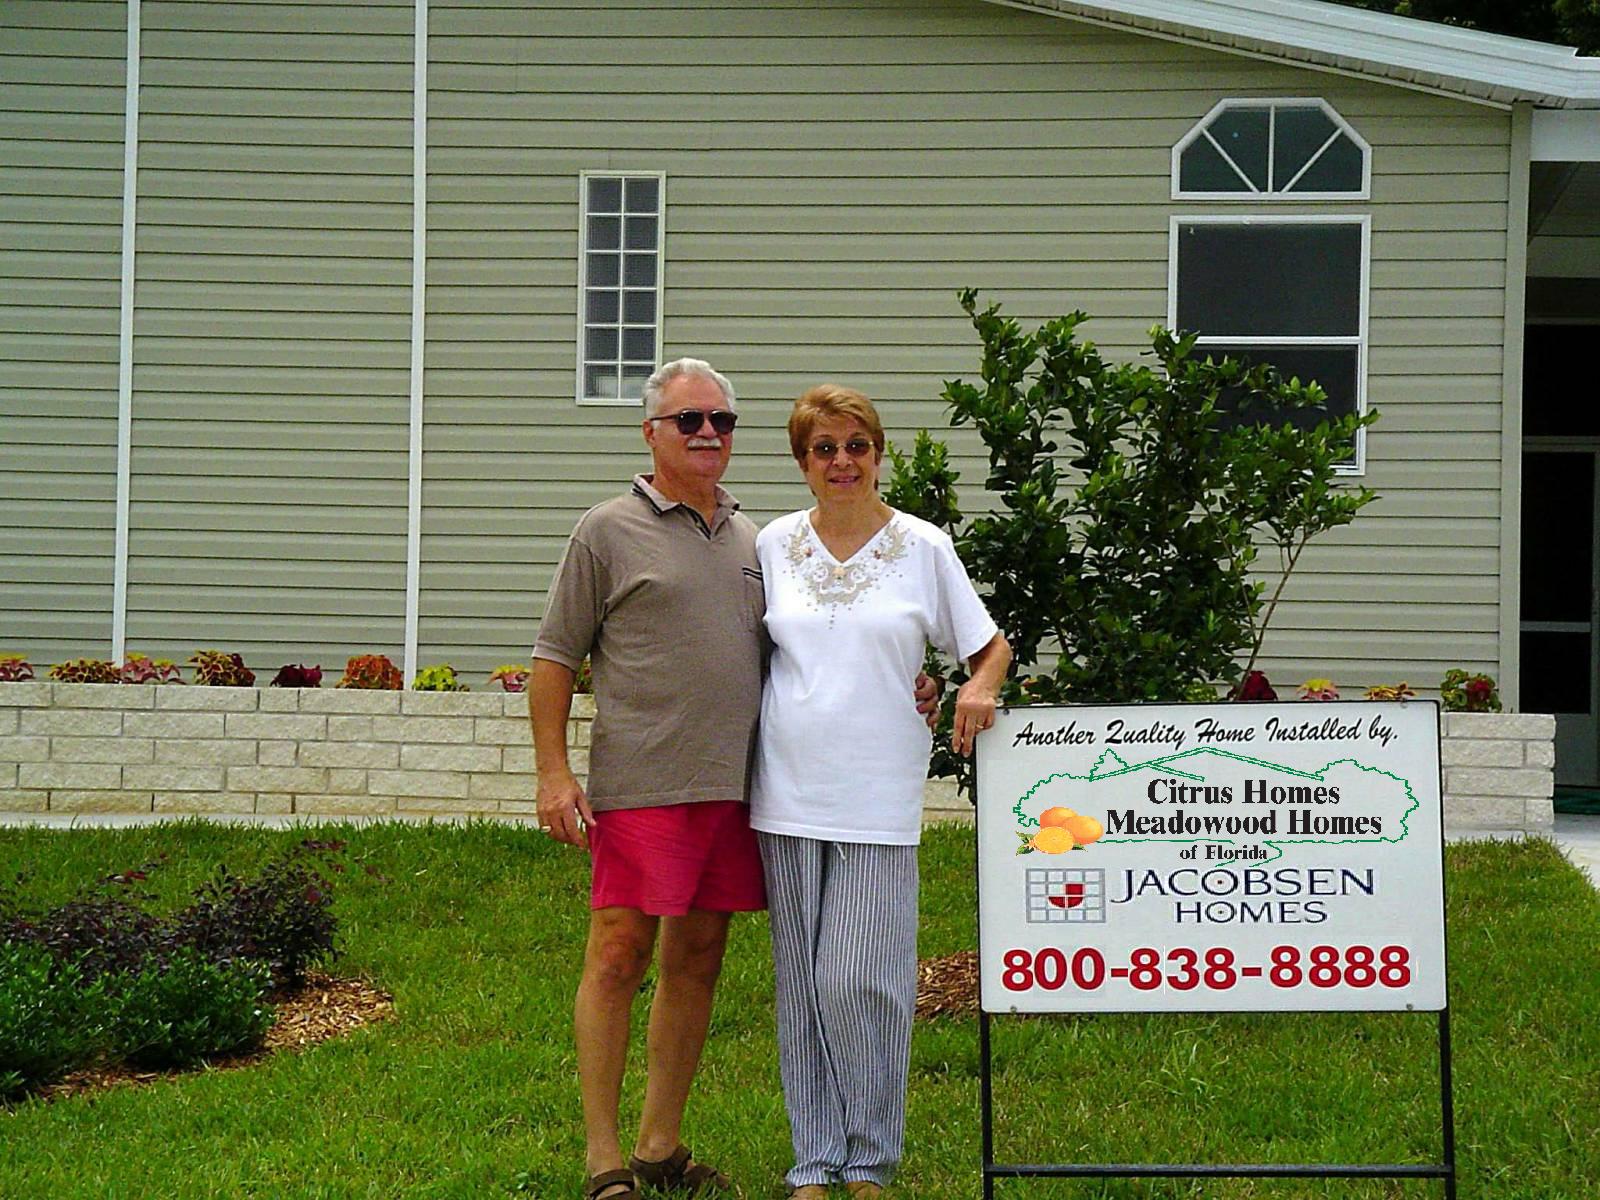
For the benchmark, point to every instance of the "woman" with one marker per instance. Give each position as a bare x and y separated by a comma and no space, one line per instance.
855,591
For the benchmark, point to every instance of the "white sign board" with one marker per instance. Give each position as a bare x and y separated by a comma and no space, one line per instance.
1211,857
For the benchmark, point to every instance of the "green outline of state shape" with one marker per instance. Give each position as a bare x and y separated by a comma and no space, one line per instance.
1097,775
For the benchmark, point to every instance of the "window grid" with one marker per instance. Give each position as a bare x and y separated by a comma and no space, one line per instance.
621,234
1274,190
1239,341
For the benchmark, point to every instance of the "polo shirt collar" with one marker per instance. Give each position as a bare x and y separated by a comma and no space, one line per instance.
643,486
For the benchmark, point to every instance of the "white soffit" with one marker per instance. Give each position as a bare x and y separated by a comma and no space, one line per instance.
1425,54
1565,136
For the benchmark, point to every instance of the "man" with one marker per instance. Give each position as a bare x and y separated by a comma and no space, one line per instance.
659,588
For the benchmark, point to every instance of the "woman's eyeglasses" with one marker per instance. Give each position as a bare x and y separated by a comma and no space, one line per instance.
690,420
824,451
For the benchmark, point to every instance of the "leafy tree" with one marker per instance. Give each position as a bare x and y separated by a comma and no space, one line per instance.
1566,22
1129,509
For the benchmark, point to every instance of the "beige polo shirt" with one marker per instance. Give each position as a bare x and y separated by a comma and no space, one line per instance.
669,613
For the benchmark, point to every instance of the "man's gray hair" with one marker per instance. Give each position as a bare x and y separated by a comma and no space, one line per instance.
667,372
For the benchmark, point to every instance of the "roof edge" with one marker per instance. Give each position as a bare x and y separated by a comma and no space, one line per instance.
1485,66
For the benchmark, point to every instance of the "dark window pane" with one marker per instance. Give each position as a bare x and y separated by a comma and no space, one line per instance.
1557,494
1555,672
1242,134
603,270
605,233
605,195
641,233
639,345
1338,170
639,308
1202,169
600,344
1298,133
1334,367
600,307
643,195
633,380
600,381
1282,280
640,271
1555,403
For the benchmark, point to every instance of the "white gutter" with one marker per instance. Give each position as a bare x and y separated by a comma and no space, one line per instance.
419,275
1425,54
130,196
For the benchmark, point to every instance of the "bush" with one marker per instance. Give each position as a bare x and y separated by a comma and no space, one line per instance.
1127,505
52,1019
283,918
140,668
1461,692
176,1013
15,669
513,677
99,935
214,668
372,672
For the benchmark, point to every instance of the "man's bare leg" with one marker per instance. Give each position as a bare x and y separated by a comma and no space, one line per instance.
614,963
691,959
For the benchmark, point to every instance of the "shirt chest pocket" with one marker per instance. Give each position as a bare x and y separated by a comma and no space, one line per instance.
755,599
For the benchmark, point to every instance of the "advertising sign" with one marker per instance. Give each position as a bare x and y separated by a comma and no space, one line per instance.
1211,857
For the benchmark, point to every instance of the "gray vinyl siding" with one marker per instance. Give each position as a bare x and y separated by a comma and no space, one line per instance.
61,115
835,172
271,333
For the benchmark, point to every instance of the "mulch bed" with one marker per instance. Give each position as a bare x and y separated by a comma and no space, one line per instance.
324,1007
947,986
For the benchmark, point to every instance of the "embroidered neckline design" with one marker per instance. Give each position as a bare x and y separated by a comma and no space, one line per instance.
834,585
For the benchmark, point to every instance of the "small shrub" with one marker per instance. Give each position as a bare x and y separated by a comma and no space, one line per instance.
372,672
441,678
513,677
176,1013
140,668
52,1019
1390,691
86,670
1461,692
99,935
214,668
283,918
15,669
298,675
1318,689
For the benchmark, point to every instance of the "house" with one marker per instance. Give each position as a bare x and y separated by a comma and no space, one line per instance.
323,322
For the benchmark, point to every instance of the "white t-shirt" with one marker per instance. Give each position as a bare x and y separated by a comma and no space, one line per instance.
842,752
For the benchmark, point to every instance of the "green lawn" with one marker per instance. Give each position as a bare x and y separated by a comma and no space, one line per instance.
470,1093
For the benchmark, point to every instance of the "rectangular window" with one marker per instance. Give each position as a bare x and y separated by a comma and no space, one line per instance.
620,219
1290,291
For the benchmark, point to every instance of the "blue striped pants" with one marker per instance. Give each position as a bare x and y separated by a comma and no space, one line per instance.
844,951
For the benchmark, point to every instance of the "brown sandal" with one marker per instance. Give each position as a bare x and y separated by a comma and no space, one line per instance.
598,1187
678,1172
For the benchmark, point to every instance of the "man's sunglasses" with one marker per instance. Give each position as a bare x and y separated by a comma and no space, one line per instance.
690,420
824,451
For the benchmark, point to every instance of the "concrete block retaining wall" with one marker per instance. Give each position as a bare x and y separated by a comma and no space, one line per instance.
149,748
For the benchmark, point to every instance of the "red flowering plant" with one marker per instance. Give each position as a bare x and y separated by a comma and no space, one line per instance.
297,675
217,668
372,672
140,668
513,677
15,669
1253,687
1463,692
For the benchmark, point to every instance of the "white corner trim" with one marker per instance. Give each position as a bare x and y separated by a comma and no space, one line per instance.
419,277
130,197
1511,424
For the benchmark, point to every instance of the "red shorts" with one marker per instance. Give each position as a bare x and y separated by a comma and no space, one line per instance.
666,860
